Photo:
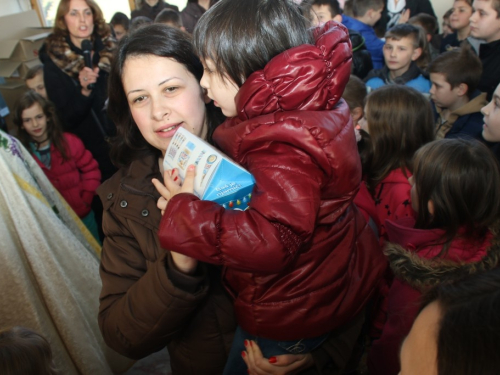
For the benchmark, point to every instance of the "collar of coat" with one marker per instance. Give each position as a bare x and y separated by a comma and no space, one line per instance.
422,273
69,58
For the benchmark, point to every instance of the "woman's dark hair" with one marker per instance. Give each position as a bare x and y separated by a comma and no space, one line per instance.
468,338
400,121
461,178
241,36
54,128
162,41
23,351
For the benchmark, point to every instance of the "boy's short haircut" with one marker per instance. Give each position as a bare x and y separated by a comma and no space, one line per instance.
459,66
34,71
448,13
355,92
358,8
333,5
405,30
121,19
428,22
169,16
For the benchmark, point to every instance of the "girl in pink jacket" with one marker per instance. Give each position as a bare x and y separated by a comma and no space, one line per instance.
62,156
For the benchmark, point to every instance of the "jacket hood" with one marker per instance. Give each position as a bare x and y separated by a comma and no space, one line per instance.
307,77
421,272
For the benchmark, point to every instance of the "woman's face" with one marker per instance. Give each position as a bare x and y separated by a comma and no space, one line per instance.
79,21
35,122
163,96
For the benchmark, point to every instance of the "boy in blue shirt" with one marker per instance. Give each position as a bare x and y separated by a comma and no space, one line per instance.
404,44
365,14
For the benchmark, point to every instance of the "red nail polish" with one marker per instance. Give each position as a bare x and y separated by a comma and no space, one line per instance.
176,178
243,354
251,344
245,342
272,360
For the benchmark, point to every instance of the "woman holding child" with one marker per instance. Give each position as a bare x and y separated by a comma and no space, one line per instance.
152,298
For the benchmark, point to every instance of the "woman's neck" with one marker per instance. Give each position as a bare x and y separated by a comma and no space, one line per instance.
152,3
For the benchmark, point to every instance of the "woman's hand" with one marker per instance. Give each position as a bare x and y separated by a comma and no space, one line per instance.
86,77
404,17
171,186
287,364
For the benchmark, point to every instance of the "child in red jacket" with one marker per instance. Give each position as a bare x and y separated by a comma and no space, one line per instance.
62,156
301,261
456,194
399,121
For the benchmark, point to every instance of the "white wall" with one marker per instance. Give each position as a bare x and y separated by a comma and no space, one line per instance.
440,8
13,6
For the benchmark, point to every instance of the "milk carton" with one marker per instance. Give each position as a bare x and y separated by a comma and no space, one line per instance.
218,178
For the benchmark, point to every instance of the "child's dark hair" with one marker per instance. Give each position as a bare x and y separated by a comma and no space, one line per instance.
459,66
138,22
358,8
54,128
355,92
169,17
242,36
468,332
461,179
121,19
34,71
333,6
428,22
400,121
23,352
155,40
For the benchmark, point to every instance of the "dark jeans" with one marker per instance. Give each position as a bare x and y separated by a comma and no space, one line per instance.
236,365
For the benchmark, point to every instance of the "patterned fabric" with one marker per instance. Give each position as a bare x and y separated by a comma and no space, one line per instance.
49,267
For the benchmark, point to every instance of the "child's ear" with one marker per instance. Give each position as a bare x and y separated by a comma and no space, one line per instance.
462,89
338,18
430,207
416,54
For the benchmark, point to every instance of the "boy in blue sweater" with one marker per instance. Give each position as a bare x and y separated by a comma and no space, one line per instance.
365,14
404,44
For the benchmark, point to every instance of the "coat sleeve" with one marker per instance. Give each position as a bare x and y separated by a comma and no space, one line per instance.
90,175
141,308
264,238
66,95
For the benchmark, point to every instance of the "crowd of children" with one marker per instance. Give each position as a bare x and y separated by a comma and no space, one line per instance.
368,199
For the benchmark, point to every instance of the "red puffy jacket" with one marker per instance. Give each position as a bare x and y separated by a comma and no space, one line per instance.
301,261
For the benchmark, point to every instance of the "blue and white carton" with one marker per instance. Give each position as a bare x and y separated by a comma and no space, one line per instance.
218,178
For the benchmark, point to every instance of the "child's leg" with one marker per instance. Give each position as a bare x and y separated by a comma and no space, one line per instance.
236,365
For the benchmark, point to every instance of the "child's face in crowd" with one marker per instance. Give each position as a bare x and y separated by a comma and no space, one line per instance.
321,14
491,112
166,98
442,94
36,84
419,350
221,90
362,123
120,32
413,194
459,19
35,122
399,54
79,21
484,22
